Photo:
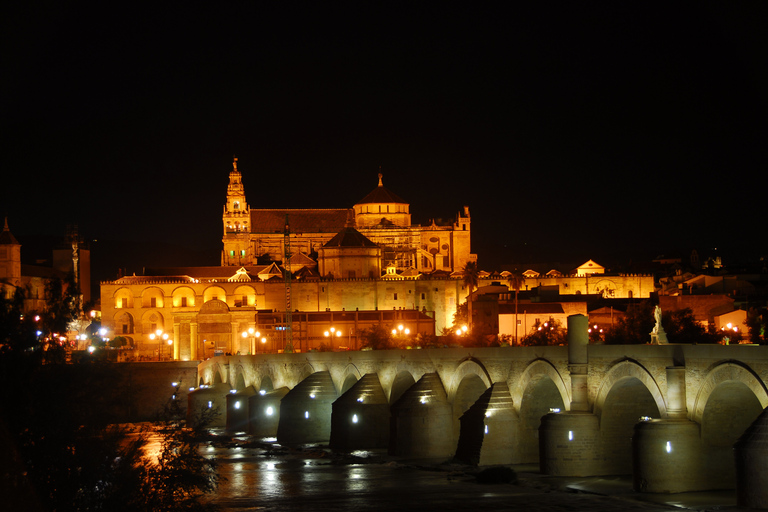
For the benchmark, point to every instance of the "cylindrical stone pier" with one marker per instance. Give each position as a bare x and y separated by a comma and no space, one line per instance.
665,456
569,444
264,412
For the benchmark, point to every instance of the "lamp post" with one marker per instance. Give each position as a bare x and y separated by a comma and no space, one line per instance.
252,334
160,336
330,333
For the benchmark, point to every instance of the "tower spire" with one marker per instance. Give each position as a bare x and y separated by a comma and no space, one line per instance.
380,176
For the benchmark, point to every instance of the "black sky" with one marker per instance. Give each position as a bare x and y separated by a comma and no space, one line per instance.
571,131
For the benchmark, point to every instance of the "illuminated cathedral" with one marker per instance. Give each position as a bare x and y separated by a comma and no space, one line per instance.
383,218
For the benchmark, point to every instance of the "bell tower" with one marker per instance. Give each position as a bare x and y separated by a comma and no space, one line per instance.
236,220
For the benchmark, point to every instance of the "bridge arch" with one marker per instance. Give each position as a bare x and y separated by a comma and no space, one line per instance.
238,378
628,393
469,366
400,384
726,373
538,391
349,376
620,373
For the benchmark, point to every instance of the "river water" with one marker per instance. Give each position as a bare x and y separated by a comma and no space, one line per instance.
263,476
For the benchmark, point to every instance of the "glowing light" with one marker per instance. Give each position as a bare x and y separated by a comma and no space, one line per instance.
360,399
237,404
570,435
262,392
669,447
91,349
210,404
263,340
645,418
486,429
232,391
311,395
423,399
306,415
270,411
174,384
487,414
554,409
191,389
354,418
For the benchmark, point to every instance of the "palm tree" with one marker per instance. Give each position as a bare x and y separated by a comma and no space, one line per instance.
470,276
516,281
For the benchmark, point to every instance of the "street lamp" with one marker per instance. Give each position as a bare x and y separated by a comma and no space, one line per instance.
160,335
253,334
331,333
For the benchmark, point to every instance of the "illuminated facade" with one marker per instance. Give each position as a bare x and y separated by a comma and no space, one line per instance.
253,235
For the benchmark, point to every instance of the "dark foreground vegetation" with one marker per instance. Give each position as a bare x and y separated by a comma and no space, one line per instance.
58,448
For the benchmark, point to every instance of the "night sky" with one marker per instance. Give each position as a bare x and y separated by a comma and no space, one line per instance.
571,131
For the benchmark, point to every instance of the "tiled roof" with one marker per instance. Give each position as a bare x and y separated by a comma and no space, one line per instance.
300,221
201,272
381,194
349,237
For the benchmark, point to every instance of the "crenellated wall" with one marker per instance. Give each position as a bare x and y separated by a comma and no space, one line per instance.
576,411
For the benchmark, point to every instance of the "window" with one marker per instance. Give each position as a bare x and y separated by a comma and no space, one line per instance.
423,296
123,302
153,302
242,253
245,300
395,296
183,302
231,254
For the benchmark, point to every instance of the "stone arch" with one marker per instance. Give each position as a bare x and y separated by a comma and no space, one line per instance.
238,378
533,373
265,384
725,372
348,378
621,371
152,292
244,295
467,366
628,393
218,375
124,323
153,320
119,295
539,390
400,384
183,292
214,293
469,382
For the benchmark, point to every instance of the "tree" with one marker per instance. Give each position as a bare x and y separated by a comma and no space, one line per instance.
756,324
516,282
681,327
376,337
634,327
550,332
469,274
63,303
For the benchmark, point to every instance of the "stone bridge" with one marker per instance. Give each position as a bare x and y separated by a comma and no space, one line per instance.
668,414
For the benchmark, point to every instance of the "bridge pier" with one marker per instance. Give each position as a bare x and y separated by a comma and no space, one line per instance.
208,400
489,429
665,452
238,405
422,421
360,418
305,411
264,412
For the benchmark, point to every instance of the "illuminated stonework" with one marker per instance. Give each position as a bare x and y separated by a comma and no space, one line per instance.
382,217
